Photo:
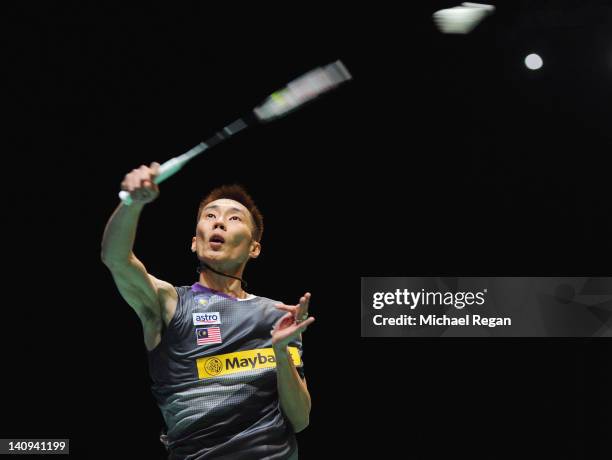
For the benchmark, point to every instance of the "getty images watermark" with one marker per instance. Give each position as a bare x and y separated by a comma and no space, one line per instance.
423,298
486,306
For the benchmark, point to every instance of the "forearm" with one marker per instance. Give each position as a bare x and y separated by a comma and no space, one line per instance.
293,394
120,232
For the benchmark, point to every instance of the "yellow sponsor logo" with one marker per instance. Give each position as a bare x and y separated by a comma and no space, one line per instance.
240,361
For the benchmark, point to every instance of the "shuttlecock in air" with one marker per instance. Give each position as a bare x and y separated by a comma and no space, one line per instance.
461,19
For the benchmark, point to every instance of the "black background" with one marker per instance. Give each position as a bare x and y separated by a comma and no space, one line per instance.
443,156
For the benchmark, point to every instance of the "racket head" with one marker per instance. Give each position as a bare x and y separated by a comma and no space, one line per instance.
302,90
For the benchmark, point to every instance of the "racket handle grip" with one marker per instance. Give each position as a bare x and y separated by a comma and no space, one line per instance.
166,170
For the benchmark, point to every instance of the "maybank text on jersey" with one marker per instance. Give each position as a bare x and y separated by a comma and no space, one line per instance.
230,363
441,320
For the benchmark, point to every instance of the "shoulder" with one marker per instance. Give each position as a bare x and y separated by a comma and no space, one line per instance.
269,305
266,301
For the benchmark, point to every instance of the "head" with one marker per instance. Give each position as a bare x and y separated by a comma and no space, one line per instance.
229,229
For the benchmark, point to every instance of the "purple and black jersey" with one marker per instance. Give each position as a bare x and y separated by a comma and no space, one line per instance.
214,378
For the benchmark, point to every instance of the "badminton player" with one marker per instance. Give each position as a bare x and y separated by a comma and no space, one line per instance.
225,364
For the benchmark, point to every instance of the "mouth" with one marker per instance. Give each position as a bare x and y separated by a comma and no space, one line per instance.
216,241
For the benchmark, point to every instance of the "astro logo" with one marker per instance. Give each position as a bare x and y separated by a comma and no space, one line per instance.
204,319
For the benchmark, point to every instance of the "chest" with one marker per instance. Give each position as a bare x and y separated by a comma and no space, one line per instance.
213,325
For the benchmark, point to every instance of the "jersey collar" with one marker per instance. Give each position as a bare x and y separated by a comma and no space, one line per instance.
197,287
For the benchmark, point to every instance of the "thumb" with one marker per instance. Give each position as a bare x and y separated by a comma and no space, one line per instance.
280,320
155,167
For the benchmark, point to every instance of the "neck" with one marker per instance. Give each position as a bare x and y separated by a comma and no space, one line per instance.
221,283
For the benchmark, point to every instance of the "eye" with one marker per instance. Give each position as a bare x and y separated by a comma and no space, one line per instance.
210,214
237,217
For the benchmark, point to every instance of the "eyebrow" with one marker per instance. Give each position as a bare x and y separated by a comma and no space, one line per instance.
217,207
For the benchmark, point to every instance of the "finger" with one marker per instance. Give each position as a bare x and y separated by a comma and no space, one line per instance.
303,306
284,304
289,308
301,310
304,324
137,179
281,303
142,173
131,183
306,300
145,173
285,317
301,327
285,325
288,315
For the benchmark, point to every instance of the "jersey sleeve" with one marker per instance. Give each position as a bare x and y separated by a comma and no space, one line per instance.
178,319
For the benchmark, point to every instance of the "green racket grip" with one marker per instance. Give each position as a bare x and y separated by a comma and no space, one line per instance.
167,169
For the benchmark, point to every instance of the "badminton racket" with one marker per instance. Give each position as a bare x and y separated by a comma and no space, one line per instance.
280,103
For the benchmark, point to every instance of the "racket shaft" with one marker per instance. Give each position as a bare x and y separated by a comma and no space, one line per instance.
173,165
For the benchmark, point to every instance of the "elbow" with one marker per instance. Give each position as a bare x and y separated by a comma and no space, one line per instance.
301,425
111,261
106,260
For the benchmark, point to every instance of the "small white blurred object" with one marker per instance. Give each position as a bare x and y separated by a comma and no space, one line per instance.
461,19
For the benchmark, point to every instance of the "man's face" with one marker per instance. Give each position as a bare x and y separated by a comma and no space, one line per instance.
224,234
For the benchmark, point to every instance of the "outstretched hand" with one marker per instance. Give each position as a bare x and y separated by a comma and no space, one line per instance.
292,324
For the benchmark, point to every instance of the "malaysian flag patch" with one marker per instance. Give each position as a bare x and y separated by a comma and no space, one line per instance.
205,335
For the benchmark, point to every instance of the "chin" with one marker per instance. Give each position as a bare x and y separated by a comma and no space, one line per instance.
215,257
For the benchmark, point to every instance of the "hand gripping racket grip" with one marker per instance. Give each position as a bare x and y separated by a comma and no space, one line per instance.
167,169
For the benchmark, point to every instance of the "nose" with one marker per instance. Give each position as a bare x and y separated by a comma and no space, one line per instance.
218,223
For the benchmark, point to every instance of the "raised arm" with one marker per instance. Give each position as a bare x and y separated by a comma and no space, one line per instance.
153,300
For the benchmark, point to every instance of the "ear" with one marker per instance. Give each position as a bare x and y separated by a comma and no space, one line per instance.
255,249
193,244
